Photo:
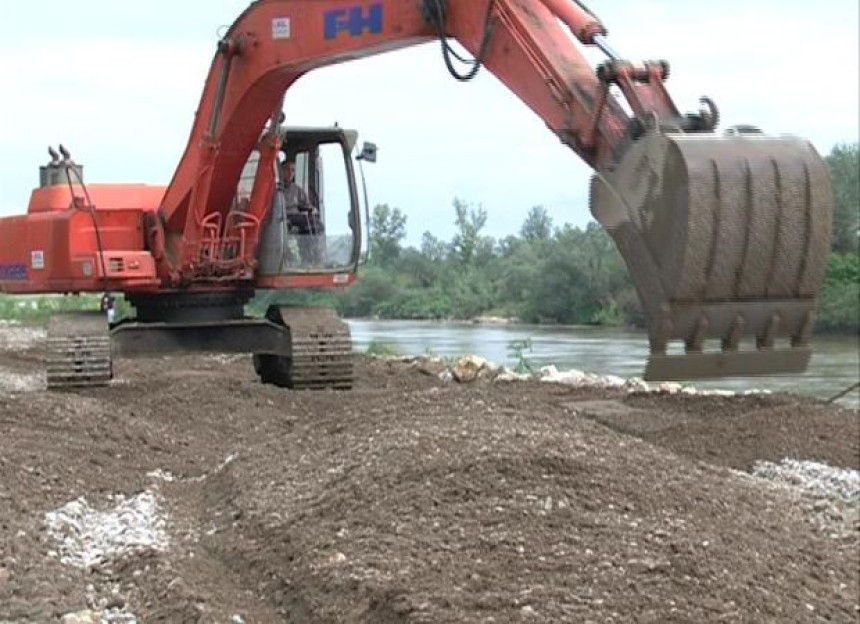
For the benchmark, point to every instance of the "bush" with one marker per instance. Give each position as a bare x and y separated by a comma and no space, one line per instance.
377,347
839,310
37,309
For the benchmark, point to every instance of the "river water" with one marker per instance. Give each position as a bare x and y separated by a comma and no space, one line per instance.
607,351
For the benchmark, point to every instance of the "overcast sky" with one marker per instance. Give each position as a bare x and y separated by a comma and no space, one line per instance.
118,83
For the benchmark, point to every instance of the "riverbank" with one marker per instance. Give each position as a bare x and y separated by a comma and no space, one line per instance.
599,350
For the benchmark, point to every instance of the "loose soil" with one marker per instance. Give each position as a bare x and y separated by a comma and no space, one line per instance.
410,499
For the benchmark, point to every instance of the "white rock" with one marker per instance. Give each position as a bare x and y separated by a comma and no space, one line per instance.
637,384
813,477
87,536
548,371
81,617
506,374
612,381
466,369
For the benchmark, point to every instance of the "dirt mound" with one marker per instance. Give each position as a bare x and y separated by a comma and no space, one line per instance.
414,500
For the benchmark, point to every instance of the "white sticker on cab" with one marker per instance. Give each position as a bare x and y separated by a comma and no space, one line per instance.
281,28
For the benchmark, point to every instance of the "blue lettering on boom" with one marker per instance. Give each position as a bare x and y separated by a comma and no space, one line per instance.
15,272
354,21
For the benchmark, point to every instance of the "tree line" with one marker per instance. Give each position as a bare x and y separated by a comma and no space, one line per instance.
552,274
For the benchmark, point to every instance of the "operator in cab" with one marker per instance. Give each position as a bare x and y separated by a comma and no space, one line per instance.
301,214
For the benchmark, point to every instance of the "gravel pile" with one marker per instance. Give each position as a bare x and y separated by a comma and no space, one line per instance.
104,616
416,500
812,477
11,381
87,537
15,337
829,496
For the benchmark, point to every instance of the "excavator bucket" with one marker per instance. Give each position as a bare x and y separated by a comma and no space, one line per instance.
726,240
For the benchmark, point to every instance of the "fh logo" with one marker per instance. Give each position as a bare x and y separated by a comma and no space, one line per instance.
353,20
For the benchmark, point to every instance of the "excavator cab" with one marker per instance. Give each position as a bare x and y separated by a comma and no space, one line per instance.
313,223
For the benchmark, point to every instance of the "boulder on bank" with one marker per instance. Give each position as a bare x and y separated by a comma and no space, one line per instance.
469,367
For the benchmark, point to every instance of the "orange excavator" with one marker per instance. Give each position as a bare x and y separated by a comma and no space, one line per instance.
725,236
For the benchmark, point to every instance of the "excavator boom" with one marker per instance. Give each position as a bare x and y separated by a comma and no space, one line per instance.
275,42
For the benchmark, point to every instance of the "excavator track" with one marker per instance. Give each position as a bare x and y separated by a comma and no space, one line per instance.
78,351
321,351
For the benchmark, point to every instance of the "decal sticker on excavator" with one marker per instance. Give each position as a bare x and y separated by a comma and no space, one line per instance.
354,20
13,272
281,28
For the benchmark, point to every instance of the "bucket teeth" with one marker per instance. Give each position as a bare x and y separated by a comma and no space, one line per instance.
726,239
78,351
718,364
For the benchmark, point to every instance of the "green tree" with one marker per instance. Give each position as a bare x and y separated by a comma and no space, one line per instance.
519,273
387,232
844,163
470,221
434,249
373,289
839,310
420,268
566,275
537,226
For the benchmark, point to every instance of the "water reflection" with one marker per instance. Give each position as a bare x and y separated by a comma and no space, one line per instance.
834,365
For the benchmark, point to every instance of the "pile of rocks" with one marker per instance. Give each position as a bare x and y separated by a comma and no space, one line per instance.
813,478
470,368
16,336
86,536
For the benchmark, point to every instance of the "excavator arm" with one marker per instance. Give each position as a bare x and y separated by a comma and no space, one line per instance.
274,42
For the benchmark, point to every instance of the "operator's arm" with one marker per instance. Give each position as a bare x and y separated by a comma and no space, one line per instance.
296,199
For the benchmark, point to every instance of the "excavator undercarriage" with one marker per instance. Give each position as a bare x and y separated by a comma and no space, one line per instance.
293,347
